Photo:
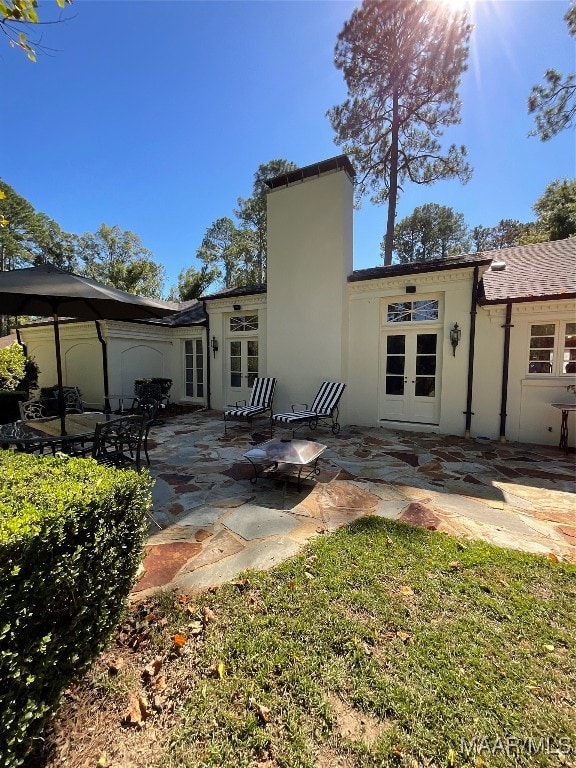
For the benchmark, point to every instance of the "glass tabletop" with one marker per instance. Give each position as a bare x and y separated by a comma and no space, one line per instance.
78,425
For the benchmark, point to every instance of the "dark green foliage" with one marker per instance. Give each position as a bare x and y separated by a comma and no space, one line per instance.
164,384
71,536
9,400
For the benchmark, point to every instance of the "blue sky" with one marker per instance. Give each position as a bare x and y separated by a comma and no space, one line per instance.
154,115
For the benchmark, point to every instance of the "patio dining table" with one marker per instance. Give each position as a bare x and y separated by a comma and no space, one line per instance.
45,432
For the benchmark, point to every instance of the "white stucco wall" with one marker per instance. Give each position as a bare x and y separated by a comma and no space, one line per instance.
134,350
309,259
530,417
220,311
368,303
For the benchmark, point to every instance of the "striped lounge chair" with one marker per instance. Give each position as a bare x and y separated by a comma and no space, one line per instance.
260,402
323,409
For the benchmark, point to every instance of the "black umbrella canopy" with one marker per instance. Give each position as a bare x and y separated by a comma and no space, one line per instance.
47,291
50,291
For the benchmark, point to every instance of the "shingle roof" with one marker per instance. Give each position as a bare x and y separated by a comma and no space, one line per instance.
243,290
435,265
192,313
532,272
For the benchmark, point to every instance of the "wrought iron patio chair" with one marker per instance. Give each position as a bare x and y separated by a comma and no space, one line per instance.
31,409
34,409
73,402
260,403
147,407
118,443
323,409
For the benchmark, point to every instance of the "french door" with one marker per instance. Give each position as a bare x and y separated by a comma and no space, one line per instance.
410,376
242,368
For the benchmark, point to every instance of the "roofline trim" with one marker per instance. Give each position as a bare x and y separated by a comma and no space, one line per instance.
527,299
338,163
414,268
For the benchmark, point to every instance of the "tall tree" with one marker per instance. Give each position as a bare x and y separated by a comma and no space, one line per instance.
29,237
192,283
556,209
252,215
402,63
118,258
553,104
219,252
432,231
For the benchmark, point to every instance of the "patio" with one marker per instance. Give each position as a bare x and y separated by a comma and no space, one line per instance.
216,523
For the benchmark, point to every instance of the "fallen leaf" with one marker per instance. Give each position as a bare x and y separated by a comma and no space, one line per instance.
160,683
455,564
195,627
150,618
116,665
158,703
309,575
407,591
183,599
179,641
221,669
263,713
291,584
133,715
102,761
242,585
208,615
548,647
144,706
404,636
152,669
320,529
552,556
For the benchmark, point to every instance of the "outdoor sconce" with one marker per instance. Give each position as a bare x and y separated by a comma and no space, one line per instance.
214,345
455,334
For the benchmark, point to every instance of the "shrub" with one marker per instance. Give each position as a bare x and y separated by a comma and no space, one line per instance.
12,366
9,400
71,536
164,384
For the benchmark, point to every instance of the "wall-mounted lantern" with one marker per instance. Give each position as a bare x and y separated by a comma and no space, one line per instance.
455,334
214,345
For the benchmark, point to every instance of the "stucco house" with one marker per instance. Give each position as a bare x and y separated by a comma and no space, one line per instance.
477,345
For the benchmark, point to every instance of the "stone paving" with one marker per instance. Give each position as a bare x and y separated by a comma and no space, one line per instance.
215,523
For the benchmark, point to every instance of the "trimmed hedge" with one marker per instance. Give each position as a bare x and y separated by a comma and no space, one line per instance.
71,538
9,400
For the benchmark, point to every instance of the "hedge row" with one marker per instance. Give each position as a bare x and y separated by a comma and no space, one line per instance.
71,536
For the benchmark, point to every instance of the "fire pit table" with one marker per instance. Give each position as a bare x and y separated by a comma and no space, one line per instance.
293,458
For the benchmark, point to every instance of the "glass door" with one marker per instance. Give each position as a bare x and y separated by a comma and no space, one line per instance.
242,368
410,377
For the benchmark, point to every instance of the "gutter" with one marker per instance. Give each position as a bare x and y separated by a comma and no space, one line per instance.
471,347
208,364
505,364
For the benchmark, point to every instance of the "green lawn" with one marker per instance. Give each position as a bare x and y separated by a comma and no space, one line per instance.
381,645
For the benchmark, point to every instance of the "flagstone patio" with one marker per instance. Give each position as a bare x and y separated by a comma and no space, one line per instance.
216,523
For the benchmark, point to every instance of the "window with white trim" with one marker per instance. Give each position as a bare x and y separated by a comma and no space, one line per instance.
552,350
239,323
417,311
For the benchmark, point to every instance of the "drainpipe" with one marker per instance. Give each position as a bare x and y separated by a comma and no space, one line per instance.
504,401
19,340
208,364
104,364
471,342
